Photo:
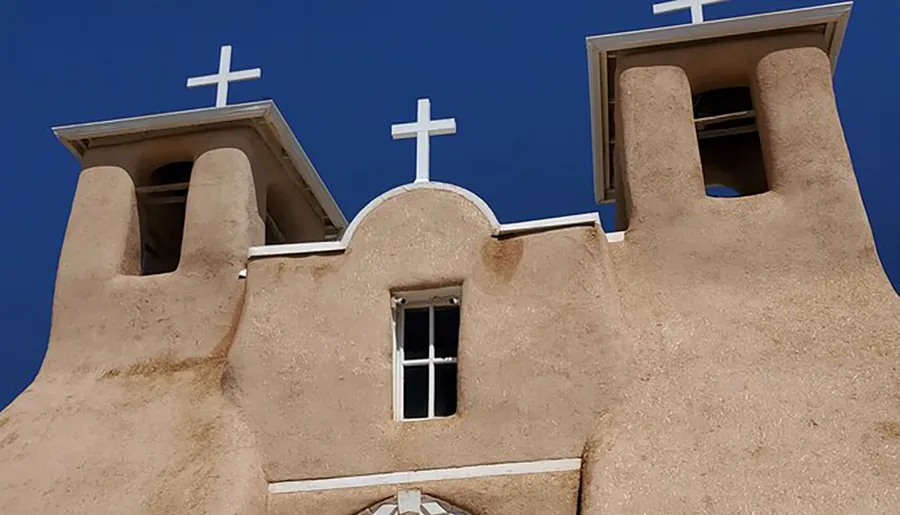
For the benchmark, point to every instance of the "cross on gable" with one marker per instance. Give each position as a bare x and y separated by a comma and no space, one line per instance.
422,129
224,76
696,7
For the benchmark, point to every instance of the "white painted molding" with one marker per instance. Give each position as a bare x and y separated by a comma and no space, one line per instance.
498,229
418,476
615,237
549,223
290,249
757,23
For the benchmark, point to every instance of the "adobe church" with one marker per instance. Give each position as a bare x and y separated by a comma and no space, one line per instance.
225,342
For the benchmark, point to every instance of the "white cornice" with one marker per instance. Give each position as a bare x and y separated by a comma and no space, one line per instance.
418,476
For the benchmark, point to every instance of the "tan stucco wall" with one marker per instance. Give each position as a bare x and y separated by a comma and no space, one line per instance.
768,357
540,351
128,413
718,64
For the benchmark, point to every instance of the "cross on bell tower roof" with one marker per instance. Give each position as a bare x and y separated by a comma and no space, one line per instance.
224,76
696,7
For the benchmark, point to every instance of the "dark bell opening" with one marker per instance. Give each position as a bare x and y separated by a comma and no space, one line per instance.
161,208
730,148
722,101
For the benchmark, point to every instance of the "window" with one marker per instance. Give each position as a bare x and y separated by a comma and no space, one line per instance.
426,353
730,149
161,209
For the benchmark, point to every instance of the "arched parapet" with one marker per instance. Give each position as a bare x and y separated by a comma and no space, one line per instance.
497,229
410,502
474,199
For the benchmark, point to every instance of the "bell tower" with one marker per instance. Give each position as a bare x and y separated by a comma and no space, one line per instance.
161,155
715,108
149,293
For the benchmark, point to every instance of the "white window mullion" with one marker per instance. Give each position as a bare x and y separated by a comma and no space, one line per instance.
399,392
431,362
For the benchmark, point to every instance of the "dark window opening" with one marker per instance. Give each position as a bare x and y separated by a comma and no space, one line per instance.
290,217
416,328
444,390
415,392
274,234
429,341
730,149
446,331
161,209
277,210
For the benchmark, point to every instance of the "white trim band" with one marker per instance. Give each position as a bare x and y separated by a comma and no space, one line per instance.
548,224
418,476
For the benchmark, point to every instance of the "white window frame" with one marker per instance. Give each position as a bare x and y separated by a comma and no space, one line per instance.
400,302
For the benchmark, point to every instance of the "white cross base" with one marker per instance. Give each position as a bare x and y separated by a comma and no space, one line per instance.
422,129
696,7
224,76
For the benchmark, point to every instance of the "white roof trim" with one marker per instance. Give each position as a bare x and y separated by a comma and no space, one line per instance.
74,138
498,229
549,223
418,476
837,16
615,237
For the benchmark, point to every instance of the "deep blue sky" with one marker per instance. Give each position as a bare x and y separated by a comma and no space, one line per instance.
513,74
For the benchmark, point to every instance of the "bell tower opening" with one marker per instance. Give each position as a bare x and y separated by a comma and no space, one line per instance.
161,208
730,149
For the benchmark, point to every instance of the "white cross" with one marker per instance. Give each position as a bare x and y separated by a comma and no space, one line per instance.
696,7
224,76
422,129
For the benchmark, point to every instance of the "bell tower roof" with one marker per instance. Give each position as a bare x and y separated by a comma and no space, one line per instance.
829,20
262,117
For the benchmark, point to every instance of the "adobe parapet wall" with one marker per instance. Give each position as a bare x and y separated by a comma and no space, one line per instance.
541,352
540,323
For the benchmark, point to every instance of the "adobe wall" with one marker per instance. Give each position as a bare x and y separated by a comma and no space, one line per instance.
768,362
128,413
541,354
